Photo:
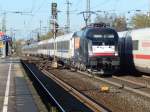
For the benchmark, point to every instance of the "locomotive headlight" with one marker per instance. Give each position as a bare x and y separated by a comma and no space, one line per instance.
116,54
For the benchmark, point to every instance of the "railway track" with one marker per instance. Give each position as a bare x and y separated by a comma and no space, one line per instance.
118,99
127,84
140,81
91,104
93,93
88,103
37,80
145,76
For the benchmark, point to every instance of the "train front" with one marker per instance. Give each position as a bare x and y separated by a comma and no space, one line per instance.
103,49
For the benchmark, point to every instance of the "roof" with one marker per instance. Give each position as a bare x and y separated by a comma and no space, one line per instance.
64,37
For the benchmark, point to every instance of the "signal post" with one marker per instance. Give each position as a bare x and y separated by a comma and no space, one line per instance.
54,22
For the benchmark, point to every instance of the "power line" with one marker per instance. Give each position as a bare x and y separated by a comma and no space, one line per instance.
98,5
40,27
85,17
68,16
4,23
36,11
87,13
77,4
33,5
39,7
4,29
88,9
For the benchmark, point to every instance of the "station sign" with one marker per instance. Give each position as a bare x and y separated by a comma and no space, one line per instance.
6,38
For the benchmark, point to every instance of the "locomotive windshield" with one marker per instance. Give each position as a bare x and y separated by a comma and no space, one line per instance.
103,37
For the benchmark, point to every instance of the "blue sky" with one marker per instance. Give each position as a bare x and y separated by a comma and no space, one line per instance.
24,24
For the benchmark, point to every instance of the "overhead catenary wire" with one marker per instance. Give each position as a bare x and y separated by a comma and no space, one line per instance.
68,16
100,4
35,11
33,5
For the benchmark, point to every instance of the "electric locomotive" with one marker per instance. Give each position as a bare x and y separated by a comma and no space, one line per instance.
96,49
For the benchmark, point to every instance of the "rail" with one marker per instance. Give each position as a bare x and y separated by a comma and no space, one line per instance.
41,84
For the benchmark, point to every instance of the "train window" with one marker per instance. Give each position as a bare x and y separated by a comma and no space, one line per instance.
51,46
44,46
67,45
98,36
58,45
48,46
40,47
135,44
109,36
63,46
105,41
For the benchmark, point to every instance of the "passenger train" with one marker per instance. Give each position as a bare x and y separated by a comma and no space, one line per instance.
135,49
93,48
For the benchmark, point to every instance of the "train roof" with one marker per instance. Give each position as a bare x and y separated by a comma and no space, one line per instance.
136,33
58,38
30,46
64,37
43,42
141,33
102,30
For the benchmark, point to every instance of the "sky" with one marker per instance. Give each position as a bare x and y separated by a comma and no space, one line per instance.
25,25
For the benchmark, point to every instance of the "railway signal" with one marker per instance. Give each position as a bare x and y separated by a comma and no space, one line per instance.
54,10
54,18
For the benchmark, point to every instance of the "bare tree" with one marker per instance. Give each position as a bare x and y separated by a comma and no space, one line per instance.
120,24
140,21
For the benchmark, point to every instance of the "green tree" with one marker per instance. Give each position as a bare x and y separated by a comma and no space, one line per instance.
140,21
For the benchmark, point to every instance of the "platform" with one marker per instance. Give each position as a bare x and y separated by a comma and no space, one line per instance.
14,93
